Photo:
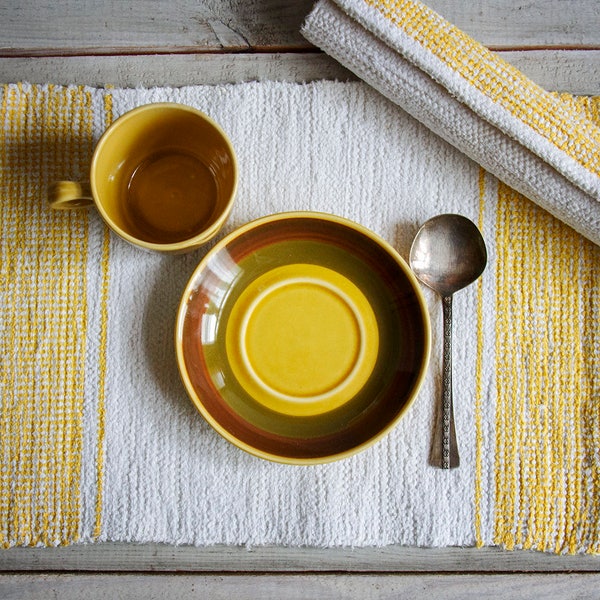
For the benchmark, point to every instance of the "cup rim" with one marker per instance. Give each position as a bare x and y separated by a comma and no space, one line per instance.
190,243
335,456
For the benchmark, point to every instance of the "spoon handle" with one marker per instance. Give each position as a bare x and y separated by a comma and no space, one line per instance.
444,452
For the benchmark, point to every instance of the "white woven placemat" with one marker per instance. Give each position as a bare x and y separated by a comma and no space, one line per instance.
98,440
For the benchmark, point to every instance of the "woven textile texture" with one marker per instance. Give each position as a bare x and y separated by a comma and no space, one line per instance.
539,143
98,440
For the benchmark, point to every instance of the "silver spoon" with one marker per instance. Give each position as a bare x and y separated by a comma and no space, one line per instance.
447,254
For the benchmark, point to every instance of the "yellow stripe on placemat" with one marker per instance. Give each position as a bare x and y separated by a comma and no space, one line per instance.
46,134
504,84
479,457
548,376
108,119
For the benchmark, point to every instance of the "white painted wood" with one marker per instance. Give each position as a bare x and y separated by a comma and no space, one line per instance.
574,71
174,26
105,26
517,24
292,587
175,70
390,559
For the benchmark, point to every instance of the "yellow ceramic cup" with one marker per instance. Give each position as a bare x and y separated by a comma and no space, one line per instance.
163,176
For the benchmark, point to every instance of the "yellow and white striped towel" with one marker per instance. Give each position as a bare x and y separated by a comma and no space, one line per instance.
97,438
540,144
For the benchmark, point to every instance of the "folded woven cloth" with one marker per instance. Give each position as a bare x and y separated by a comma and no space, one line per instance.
540,144
98,440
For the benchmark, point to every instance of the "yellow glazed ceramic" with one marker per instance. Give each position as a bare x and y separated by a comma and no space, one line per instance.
163,177
302,337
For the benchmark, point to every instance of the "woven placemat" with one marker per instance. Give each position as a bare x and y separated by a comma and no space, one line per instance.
98,440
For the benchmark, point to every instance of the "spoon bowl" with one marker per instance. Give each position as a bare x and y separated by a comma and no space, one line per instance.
447,254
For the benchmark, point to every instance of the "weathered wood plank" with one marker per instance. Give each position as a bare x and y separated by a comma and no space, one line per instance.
66,27
105,27
577,72
291,587
503,24
572,71
393,559
174,70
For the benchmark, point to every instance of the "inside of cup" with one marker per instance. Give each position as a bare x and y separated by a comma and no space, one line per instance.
164,173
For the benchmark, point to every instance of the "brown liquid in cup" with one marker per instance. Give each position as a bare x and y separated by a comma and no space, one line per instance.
171,196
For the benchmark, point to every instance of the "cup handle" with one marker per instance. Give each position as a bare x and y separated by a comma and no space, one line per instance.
64,195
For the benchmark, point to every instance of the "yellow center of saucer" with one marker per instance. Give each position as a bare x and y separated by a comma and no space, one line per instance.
302,339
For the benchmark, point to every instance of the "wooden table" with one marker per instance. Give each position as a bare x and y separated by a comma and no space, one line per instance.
185,42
